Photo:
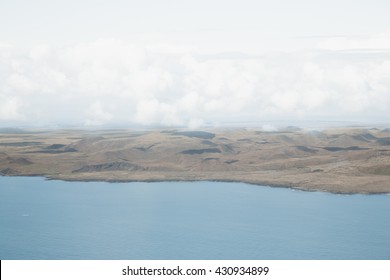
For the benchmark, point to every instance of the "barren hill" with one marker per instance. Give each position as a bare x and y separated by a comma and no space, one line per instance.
345,160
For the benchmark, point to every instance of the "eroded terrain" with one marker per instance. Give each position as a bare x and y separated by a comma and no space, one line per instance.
348,160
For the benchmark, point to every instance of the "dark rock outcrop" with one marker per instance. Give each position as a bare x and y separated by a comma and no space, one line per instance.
200,151
113,166
8,172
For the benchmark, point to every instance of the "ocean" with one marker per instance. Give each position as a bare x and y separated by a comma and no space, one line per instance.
52,219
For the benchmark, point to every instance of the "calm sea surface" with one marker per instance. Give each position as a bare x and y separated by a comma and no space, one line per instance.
42,219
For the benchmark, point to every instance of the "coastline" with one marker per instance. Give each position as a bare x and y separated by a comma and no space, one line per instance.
271,185
340,161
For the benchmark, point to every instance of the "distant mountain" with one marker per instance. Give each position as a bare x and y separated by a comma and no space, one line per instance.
11,130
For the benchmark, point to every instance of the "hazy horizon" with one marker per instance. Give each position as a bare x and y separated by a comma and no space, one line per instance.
193,63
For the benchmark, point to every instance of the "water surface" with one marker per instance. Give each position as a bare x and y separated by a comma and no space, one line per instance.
42,219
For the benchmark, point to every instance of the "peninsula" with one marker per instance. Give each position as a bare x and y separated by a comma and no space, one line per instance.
342,160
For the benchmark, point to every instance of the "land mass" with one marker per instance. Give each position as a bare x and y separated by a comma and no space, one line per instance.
342,160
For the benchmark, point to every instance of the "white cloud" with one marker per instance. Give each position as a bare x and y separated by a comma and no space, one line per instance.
96,115
379,41
21,83
195,123
40,52
10,108
112,81
269,128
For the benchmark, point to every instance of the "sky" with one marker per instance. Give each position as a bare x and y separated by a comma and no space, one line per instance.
193,63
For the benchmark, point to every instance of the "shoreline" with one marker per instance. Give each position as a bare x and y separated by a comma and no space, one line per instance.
119,181
340,161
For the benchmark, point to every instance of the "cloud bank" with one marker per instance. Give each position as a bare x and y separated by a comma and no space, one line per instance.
115,82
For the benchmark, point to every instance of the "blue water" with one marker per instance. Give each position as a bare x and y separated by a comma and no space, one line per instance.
42,219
